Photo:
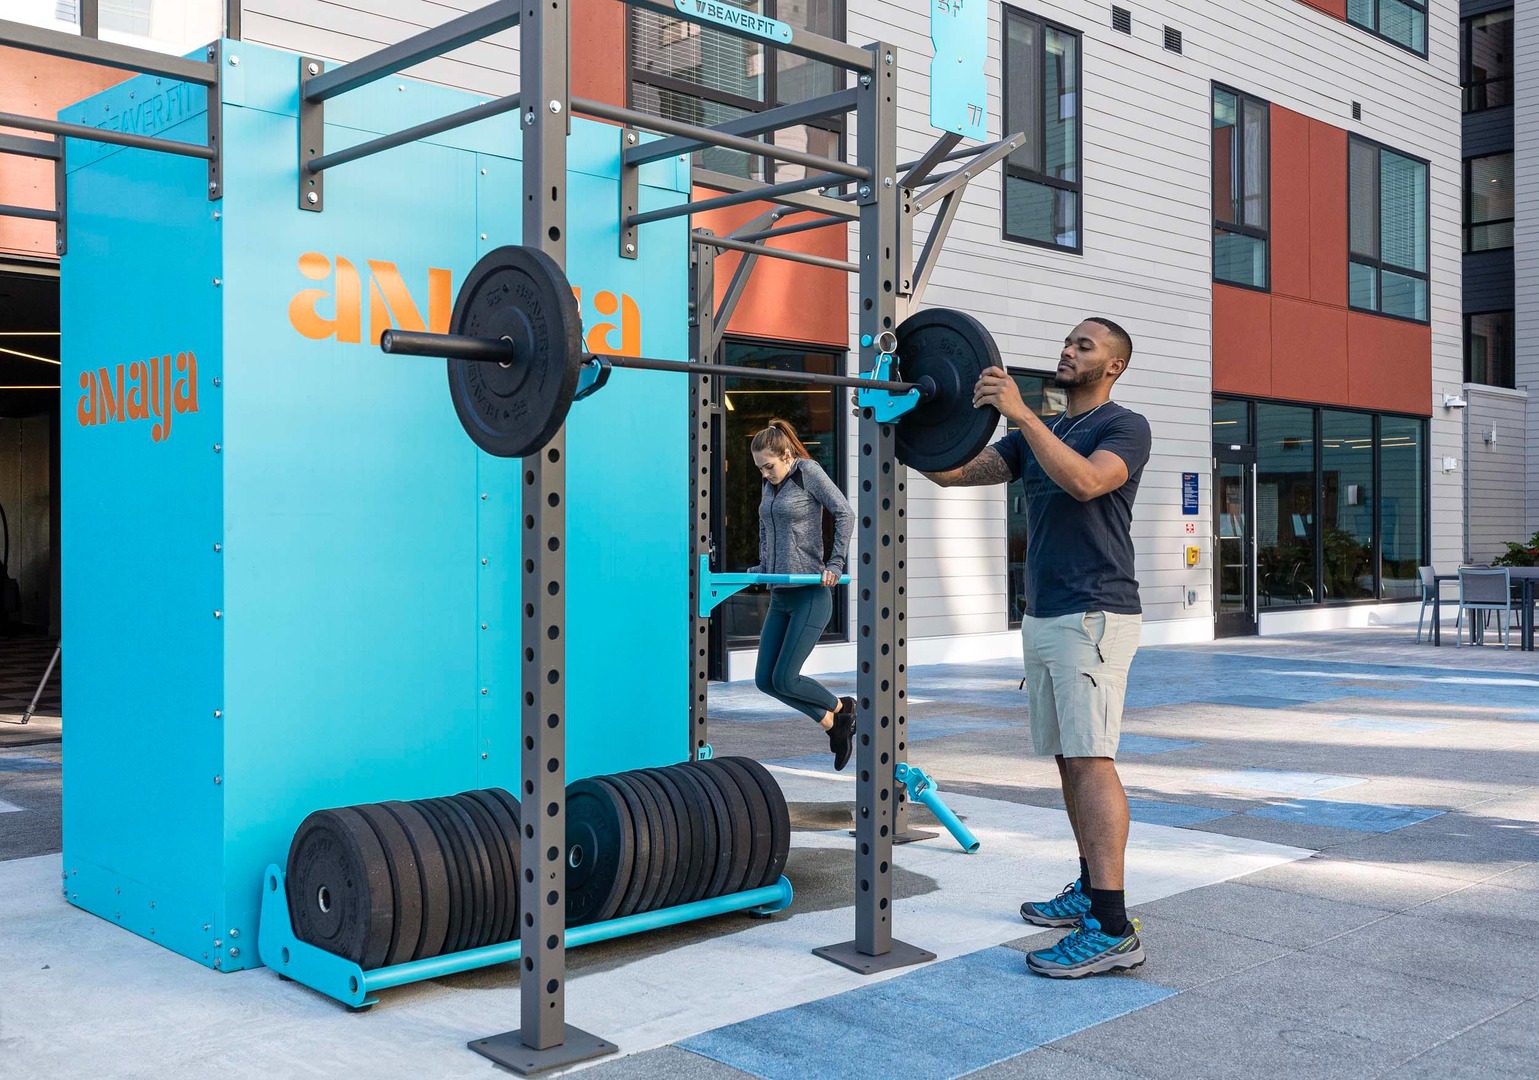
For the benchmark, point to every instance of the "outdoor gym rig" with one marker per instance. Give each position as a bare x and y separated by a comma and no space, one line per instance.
885,200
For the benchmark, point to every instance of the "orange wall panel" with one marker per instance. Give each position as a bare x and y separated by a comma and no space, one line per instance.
1291,204
1389,364
1327,213
1309,352
1242,341
785,301
598,64
35,85
1338,8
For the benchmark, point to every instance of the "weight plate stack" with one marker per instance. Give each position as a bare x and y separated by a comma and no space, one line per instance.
386,883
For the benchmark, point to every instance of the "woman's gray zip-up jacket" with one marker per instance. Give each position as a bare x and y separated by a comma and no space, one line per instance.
791,523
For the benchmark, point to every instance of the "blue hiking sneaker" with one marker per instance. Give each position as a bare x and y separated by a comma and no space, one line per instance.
1065,909
1088,951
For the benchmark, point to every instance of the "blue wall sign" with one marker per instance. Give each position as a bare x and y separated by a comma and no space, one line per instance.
1188,493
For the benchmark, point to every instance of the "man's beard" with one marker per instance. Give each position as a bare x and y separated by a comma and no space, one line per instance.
1077,379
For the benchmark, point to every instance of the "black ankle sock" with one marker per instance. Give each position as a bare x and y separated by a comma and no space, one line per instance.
1109,908
1084,874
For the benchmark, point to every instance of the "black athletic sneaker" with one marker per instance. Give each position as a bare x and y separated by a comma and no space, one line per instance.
841,737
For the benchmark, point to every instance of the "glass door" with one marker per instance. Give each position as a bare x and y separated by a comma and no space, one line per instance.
1234,506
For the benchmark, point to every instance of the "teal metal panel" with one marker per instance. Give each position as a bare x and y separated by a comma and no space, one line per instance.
348,663
959,99
139,520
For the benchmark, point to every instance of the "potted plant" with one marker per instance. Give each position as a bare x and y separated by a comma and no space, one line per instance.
1520,554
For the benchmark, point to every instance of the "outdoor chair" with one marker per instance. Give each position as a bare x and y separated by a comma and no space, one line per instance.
1484,591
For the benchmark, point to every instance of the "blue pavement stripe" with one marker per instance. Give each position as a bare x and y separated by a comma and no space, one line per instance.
1151,744
1384,723
1177,815
25,763
943,1020
1282,783
1359,817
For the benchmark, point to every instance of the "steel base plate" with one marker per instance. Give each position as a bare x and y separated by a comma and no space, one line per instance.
847,955
509,1051
910,836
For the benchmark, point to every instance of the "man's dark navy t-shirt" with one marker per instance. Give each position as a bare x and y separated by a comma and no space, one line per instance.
1079,555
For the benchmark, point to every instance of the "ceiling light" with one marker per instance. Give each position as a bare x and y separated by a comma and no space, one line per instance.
30,356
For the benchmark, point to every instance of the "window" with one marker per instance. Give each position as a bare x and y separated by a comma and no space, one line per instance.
1044,399
1041,88
1231,422
1403,22
1240,188
1346,505
1387,223
1402,505
816,412
1285,505
1485,67
1489,356
1488,202
692,73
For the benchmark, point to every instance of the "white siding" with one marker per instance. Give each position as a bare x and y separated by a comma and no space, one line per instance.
1526,231
1497,472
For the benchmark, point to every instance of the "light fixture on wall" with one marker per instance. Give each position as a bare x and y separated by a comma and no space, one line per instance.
1490,436
1453,401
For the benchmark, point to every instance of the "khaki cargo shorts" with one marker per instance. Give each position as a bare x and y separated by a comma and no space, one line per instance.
1076,680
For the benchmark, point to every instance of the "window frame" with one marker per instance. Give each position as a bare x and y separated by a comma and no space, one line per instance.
835,124
1469,317
1468,224
1039,134
1466,83
1377,262
1317,429
1426,22
1240,229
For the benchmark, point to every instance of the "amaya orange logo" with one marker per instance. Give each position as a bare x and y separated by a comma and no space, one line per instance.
392,306
157,388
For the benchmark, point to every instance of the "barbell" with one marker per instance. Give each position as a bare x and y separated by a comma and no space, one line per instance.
516,358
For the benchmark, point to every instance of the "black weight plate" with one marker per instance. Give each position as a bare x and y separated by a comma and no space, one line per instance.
456,876
405,882
703,815
517,293
600,853
741,826
339,887
497,802
685,842
478,909
516,848
952,348
675,833
763,843
641,843
661,869
502,866
719,861
433,874
780,818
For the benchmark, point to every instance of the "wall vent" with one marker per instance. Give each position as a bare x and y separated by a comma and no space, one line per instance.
1122,20
1172,39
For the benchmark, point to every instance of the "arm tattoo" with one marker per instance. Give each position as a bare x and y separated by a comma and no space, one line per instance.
987,468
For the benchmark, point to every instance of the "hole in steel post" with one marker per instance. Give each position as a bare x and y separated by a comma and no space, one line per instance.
552,765
552,854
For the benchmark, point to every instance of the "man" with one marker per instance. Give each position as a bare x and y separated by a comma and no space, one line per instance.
1081,627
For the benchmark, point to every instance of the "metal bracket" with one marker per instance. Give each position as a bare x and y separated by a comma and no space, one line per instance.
216,124
885,405
592,377
630,196
705,753
60,199
312,139
716,588
922,789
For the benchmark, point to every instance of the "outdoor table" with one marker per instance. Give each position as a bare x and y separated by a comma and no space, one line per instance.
1526,577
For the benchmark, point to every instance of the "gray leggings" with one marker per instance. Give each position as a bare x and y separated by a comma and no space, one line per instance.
796,620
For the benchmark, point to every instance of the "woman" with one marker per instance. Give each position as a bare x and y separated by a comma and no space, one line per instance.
796,493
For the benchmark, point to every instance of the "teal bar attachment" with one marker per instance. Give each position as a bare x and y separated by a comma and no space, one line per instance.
885,405
340,978
715,588
922,789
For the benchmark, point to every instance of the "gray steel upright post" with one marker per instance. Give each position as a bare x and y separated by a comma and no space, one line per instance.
881,674
704,396
544,1040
